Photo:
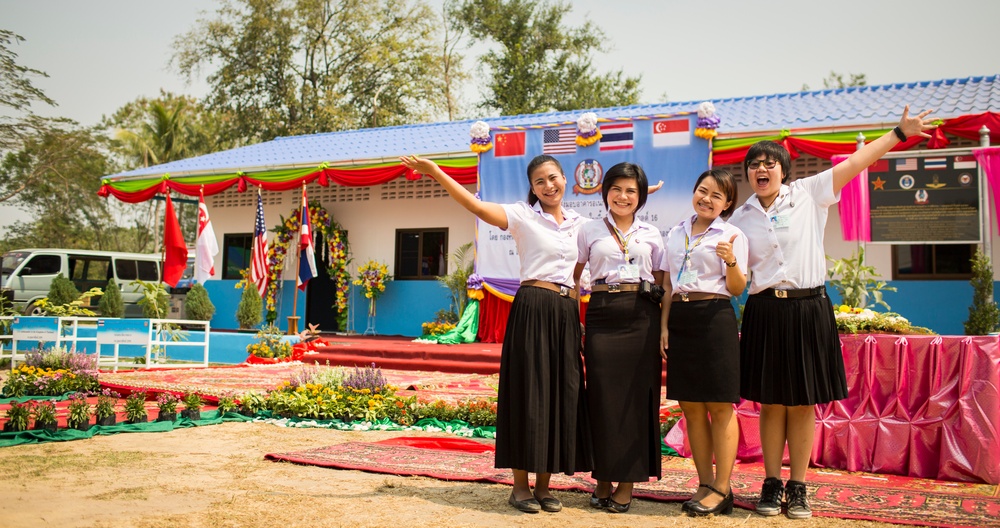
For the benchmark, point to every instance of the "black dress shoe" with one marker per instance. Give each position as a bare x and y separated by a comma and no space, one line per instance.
599,502
725,507
615,507
527,505
687,504
550,504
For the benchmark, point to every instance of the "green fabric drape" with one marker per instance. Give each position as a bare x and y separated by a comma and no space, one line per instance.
466,329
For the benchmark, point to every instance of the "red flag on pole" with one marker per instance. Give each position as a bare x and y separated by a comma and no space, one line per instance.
175,250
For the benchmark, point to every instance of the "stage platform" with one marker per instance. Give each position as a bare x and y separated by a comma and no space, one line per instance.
402,353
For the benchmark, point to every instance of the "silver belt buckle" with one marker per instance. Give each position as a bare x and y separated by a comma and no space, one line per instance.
563,291
614,288
684,297
781,294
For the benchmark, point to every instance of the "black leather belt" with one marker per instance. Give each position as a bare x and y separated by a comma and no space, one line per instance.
793,294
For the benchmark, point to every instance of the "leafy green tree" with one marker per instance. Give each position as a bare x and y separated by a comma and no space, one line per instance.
155,301
284,67
984,316
62,290
248,311
112,304
536,63
17,94
197,304
457,280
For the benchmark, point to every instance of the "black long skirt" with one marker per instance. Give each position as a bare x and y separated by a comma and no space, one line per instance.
790,351
703,357
542,420
623,386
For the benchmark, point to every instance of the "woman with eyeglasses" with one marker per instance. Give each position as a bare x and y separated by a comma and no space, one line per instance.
542,420
620,353
790,355
704,266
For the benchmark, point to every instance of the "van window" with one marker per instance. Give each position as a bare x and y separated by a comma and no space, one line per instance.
88,268
126,270
148,270
44,264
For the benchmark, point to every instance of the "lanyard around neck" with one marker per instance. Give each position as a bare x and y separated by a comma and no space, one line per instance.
622,244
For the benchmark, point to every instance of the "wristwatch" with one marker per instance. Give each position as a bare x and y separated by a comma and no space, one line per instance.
731,264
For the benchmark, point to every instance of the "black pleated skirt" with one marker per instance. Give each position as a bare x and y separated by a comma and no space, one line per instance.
790,351
623,386
703,357
542,418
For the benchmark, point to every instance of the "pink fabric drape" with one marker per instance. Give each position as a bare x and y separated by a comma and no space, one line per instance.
920,406
989,160
855,218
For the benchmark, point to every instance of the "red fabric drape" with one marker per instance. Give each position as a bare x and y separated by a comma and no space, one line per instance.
174,249
492,318
347,177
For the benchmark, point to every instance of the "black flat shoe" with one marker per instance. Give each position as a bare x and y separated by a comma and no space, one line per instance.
615,507
725,507
687,504
599,502
550,504
527,505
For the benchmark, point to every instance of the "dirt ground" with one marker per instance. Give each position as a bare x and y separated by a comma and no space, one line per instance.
216,476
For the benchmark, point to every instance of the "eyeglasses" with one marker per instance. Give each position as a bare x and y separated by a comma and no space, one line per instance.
768,164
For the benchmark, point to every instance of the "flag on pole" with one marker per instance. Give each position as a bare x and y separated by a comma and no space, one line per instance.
307,252
207,247
258,251
174,249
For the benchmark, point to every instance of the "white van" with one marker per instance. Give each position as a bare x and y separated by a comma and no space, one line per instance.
26,274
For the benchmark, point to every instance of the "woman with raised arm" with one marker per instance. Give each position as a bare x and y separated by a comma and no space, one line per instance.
623,366
542,421
790,356
705,265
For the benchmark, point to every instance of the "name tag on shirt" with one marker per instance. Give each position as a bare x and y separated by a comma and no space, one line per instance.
780,221
687,277
628,271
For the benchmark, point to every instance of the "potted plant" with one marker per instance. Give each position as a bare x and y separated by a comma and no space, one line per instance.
857,284
166,404
107,400
45,416
79,412
17,417
251,403
192,406
227,403
984,316
135,407
248,310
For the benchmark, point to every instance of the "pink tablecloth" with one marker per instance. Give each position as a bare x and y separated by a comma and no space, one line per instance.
921,406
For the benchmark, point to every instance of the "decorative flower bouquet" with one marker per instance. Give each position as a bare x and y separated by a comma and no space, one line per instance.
372,277
107,399
45,415
166,403
135,407
78,412
865,321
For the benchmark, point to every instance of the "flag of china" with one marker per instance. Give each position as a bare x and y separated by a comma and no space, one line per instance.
509,144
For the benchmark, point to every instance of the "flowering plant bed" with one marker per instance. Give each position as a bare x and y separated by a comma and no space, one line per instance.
50,373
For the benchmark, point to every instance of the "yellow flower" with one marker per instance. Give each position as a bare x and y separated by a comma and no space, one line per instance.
844,308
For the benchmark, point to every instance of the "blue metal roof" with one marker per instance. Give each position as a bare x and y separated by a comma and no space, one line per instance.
860,107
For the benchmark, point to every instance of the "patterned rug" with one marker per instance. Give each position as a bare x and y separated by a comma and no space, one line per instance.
833,493
213,382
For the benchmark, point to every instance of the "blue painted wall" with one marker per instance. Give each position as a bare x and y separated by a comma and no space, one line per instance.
942,306
401,310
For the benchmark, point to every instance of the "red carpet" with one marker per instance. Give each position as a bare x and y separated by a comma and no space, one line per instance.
213,382
401,353
839,494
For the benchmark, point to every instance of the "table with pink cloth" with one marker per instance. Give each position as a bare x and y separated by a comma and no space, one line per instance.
921,406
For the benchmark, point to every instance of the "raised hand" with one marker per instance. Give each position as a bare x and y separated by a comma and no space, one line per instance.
916,125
